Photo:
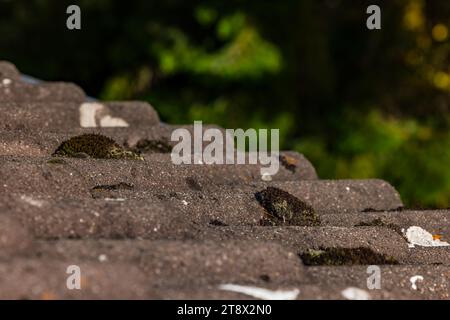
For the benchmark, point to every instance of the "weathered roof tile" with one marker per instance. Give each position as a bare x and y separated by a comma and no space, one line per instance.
149,229
63,116
15,91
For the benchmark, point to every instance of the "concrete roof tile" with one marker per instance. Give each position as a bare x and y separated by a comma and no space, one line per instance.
150,229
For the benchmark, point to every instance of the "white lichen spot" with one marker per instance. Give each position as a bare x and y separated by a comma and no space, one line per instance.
6,82
413,281
102,258
108,121
88,111
184,202
266,177
261,293
347,188
93,114
420,237
352,293
33,202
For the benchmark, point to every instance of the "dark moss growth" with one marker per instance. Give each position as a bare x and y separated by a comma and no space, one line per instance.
217,223
56,161
265,277
113,187
289,163
345,256
94,146
193,184
152,146
284,209
378,222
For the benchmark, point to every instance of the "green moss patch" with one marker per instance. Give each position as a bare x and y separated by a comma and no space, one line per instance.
284,209
345,256
152,146
94,146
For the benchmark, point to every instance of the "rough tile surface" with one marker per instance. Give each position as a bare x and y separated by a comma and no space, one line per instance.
145,228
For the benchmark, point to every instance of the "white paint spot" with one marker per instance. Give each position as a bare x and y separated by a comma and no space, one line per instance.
266,177
413,281
261,293
33,202
6,82
88,111
102,258
420,237
352,293
108,121
185,202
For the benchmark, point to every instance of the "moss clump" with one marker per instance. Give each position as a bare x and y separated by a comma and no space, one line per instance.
94,146
152,146
284,209
289,163
345,256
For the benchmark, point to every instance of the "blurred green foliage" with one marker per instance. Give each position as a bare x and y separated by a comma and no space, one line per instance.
358,103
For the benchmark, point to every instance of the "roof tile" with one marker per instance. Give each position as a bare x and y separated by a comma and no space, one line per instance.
148,228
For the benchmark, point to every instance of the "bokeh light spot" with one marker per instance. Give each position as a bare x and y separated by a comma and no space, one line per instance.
440,32
441,80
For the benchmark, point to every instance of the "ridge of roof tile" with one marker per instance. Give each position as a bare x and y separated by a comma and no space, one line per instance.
61,115
8,71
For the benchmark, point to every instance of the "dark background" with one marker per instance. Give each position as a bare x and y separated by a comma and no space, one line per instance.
357,103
